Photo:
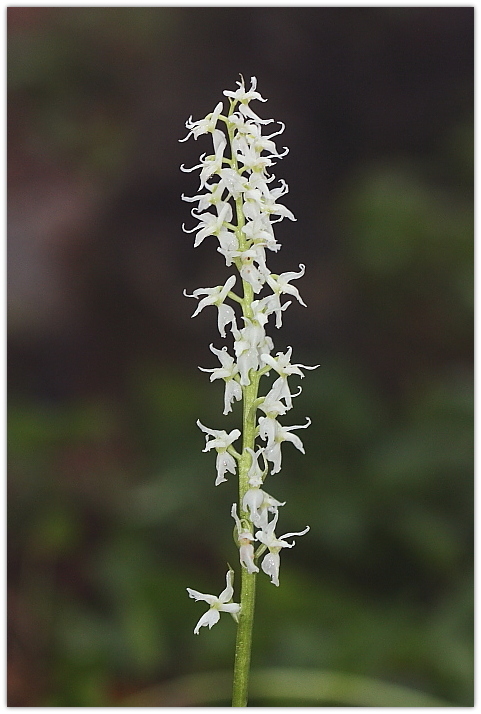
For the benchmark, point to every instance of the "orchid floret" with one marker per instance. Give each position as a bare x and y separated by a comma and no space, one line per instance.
222,603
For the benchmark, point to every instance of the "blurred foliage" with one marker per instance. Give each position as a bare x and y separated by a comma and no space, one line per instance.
112,510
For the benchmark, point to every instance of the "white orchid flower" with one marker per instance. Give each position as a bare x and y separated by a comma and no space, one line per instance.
280,283
264,143
241,95
221,441
203,126
274,433
255,473
258,228
272,406
273,305
206,200
233,182
210,165
223,603
216,296
271,562
249,272
245,538
245,348
228,245
281,363
258,503
247,155
210,224
227,371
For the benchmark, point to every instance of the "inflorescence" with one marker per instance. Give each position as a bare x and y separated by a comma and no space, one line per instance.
236,185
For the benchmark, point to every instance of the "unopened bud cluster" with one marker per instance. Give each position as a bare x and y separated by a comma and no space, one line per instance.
238,205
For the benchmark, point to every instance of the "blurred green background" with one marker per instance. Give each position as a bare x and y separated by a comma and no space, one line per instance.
112,510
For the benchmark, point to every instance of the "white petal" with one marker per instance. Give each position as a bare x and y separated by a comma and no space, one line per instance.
267,430
233,390
196,595
295,440
252,501
228,592
246,555
225,317
289,535
211,432
208,619
270,565
274,454
232,607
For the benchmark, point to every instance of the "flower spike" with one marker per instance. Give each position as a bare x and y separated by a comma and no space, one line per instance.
237,206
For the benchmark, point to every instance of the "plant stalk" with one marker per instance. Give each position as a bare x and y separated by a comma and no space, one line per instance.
244,640
248,581
243,646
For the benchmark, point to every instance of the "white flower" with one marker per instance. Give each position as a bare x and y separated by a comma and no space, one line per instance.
234,182
246,111
272,406
259,229
203,126
252,203
280,283
258,503
210,225
270,206
255,473
271,562
281,363
264,143
210,165
216,296
213,164
206,200
275,434
250,344
245,348
249,272
273,304
241,95
233,391
260,312
248,156
261,181
227,371
245,538
247,357
223,603
270,565
221,442
228,245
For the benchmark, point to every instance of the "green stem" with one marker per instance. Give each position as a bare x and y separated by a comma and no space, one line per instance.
244,640
248,584
248,580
